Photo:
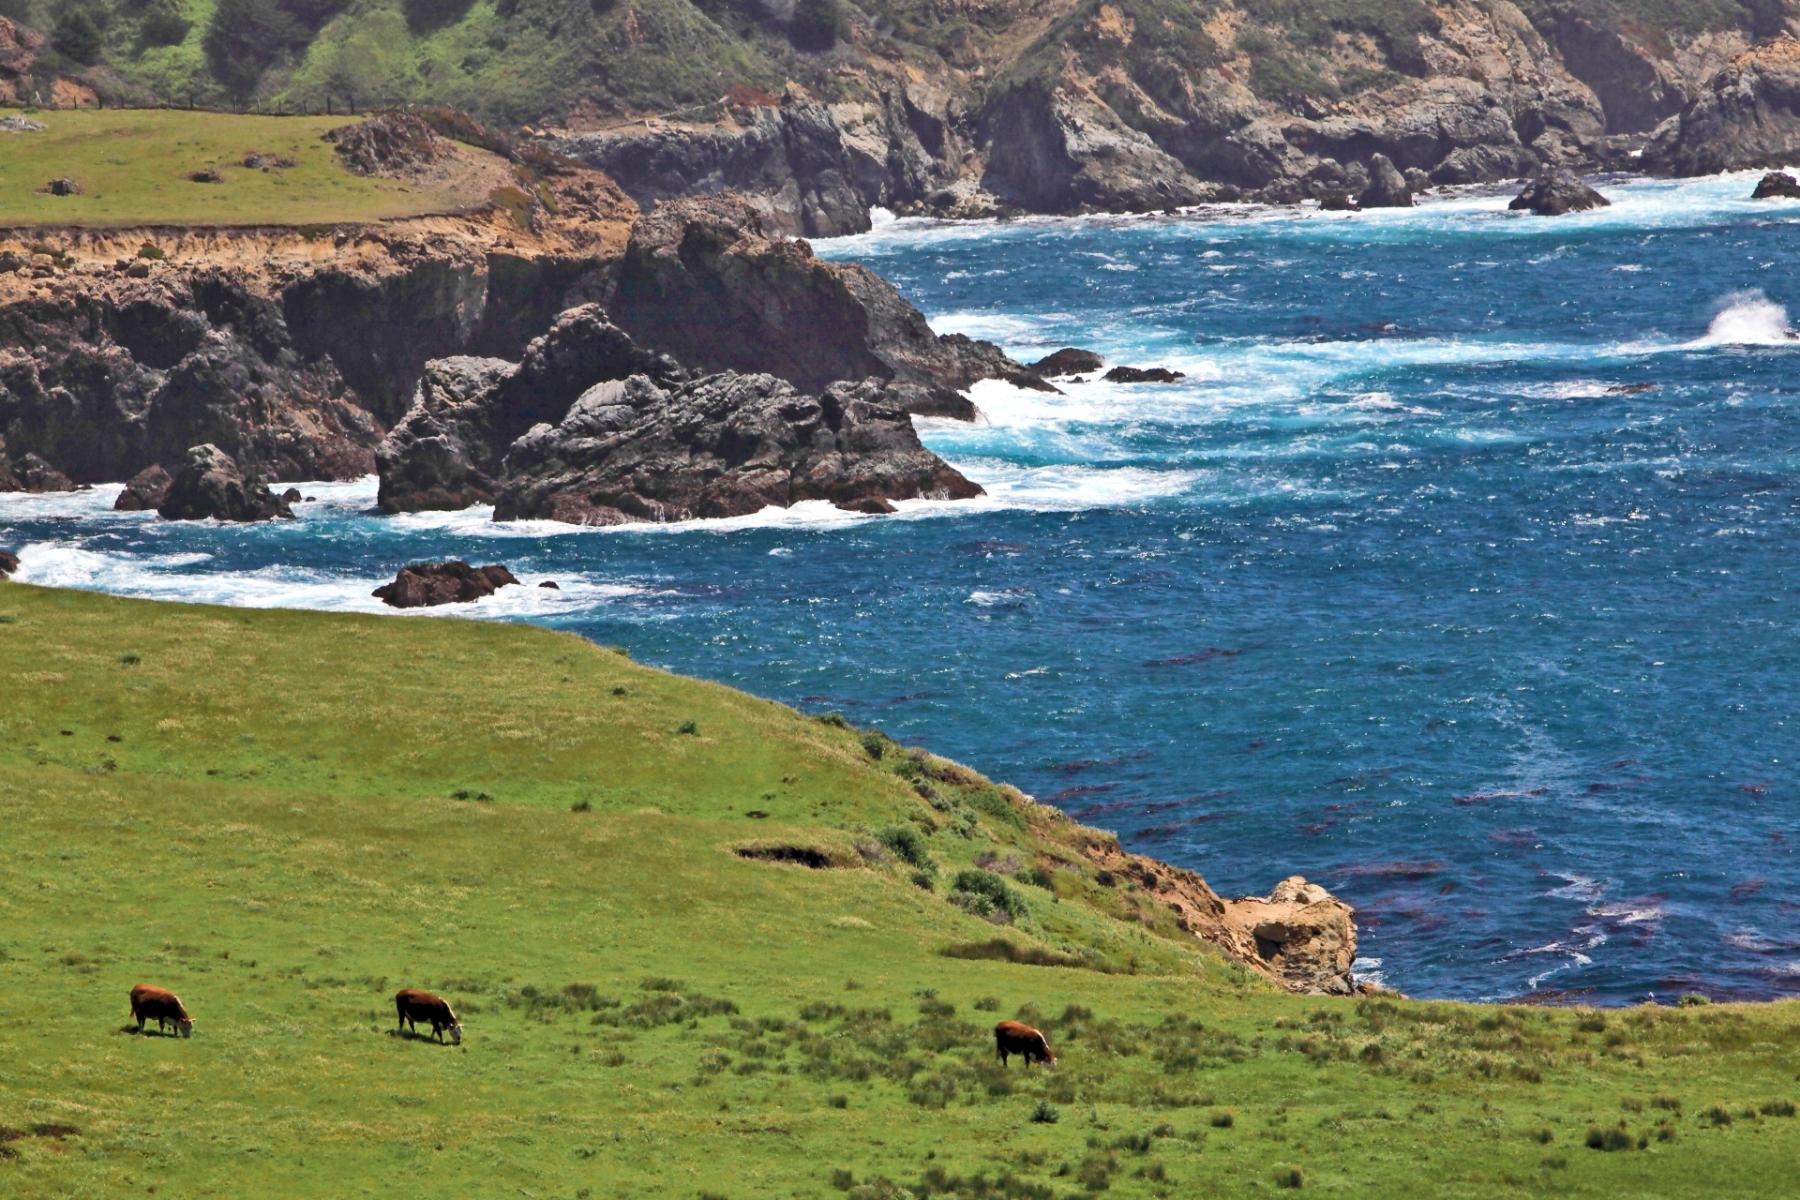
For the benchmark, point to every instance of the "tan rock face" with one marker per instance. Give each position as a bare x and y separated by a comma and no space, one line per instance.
1299,935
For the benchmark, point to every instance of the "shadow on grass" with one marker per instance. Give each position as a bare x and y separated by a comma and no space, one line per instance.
413,1035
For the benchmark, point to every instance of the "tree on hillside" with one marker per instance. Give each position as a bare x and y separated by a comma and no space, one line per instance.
245,37
817,24
16,10
77,37
163,24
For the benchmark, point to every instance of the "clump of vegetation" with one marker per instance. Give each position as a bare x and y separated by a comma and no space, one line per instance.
1611,1137
984,894
1045,1113
1289,1177
908,845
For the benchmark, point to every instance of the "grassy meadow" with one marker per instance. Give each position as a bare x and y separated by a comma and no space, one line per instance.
287,816
133,168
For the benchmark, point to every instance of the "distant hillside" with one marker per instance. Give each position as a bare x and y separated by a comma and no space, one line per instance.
1053,105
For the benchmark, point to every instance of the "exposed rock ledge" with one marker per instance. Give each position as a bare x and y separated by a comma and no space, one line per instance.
1299,935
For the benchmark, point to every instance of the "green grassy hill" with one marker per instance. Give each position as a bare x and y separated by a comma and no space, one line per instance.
134,168
287,816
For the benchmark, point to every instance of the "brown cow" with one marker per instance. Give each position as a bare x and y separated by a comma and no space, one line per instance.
414,1005
151,1002
1014,1037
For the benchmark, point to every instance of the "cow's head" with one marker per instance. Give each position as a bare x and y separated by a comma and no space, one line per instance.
456,1034
186,1025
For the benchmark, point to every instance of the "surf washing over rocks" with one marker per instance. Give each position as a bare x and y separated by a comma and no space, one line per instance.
1455,574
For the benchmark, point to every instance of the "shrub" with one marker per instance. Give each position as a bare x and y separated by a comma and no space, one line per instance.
925,881
985,894
843,1180
1224,1119
1777,1108
1045,1113
245,37
1289,1177
688,728
874,745
1694,1000
1716,1115
908,845
1611,1138
152,252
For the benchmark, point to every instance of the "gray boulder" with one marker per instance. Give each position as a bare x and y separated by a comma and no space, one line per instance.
727,445
1387,186
210,485
1558,193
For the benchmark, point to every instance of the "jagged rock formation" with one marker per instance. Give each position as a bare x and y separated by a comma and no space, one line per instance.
1067,361
424,585
1747,115
446,452
290,350
1777,185
9,564
30,473
708,281
724,446
145,491
1387,187
1299,935
211,485
593,428
1557,194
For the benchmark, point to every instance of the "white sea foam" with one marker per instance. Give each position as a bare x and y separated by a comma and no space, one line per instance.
1749,319
162,577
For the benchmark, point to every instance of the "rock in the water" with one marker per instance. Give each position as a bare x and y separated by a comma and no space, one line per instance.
1747,115
551,584
1387,186
30,473
1777,185
727,445
145,491
445,453
9,564
423,585
1142,375
209,484
1557,193
1068,361
291,496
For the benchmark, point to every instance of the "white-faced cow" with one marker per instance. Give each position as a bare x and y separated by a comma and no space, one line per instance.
1015,1037
149,1002
414,1005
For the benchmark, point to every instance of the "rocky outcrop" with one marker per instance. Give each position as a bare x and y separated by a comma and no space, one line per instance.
1557,194
424,585
393,145
1068,361
291,350
1300,935
726,445
9,564
145,491
1748,115
210,485
1387,186
1777,185
1143,375
30,473
815,169
707,281
446,452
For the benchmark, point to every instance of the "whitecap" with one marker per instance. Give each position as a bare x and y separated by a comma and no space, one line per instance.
1748,318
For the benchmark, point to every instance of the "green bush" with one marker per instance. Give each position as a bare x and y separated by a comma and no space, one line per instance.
908,845
77,37
985,894
1045,1113
163,24
817,25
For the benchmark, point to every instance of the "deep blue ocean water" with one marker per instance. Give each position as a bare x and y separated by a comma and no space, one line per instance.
1462,573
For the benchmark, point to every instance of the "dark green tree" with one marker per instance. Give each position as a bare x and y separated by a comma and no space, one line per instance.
163,24
245,38
77,38
817,25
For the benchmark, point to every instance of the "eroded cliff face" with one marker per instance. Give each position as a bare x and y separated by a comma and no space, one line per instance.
291,350
1133,105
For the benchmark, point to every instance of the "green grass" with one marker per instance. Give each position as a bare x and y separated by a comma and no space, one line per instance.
287,816
133,169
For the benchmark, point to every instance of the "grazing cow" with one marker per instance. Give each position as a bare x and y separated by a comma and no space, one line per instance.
1014,1037
149,1002
414,1005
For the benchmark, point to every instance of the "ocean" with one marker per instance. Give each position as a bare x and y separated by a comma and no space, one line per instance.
1461,573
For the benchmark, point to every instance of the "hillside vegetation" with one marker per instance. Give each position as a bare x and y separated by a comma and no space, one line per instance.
522,60
137,168
287,816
